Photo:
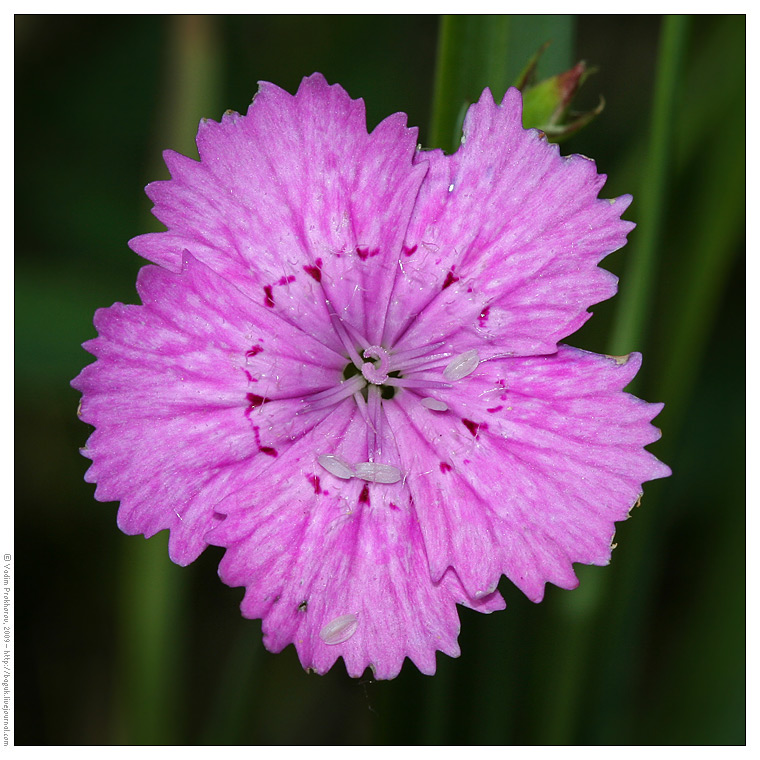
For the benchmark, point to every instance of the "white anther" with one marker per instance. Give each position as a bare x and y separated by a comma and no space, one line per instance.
378,473
434,404
339,630
336,466
462,365
451,187
375,472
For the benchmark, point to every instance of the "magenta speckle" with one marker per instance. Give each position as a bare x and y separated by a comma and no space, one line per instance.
474,427
254,350
365,252
494,409
445,467
314,480
364,495
286,280
268,450
393,507
269,299
314,271
256,400
483,318
451,278
409,251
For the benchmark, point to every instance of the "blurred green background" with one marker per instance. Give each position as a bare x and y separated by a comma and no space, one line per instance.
117,645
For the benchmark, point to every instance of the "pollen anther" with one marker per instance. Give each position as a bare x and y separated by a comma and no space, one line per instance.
339,630
434,404
462,365
375,472
336,466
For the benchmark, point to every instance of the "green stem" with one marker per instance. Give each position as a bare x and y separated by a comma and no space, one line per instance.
470,49
712,247
636,292
152,603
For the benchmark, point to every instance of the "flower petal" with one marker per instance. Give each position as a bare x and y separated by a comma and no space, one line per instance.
507,235
338,567
529,469
295,203
190,392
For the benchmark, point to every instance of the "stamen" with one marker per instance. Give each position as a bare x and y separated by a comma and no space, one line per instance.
336,466
339,630
434,404
462,365
362,405
420,362
335,395
411,382
345,338
412,353
374,429
378,473
355,334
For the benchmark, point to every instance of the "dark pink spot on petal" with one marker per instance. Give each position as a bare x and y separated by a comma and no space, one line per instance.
393,506
256,400
314,480
450,279
495,409
409,251
445,467
286,280
483,318
365,252
474,427
364,495
315,271
269,300
268,450
254,350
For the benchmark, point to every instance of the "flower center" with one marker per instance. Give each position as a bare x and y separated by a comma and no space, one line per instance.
387,391
376,373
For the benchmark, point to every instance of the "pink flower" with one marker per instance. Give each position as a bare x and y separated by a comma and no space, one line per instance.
346,371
